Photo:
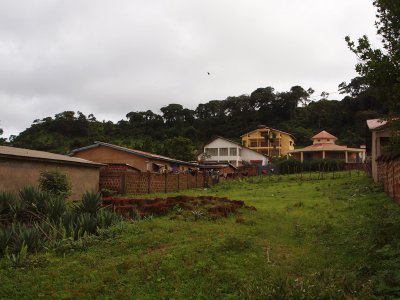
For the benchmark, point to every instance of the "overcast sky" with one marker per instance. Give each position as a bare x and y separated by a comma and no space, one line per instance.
112,57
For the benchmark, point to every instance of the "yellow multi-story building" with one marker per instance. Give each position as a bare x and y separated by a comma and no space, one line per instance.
269,141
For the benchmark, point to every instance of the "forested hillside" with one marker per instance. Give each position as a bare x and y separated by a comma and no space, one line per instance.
179,131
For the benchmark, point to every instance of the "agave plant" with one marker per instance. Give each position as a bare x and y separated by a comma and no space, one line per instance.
29,196
106,218
91,203
70,223
55,208
16,210
5,237
88,223
5,200
23,234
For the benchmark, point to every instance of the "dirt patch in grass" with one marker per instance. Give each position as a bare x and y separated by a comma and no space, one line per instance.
202,205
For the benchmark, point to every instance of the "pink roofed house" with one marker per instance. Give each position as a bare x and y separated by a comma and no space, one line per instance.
324,147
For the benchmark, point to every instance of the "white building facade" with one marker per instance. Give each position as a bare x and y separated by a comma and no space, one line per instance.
224,150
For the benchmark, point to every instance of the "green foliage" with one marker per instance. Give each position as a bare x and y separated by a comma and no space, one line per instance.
5,236
90,204
6,200
300,243
106,218
23,235
179,148
55,182
39,218
18,258
107,193
292,165
42,203
379,68
178,130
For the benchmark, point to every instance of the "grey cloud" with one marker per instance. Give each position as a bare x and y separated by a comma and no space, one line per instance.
111,57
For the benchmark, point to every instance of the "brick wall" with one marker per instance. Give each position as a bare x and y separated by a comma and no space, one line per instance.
124,182
389,176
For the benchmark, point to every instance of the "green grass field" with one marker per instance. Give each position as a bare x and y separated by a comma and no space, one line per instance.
306,240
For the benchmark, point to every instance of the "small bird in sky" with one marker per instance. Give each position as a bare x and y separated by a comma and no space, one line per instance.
208,73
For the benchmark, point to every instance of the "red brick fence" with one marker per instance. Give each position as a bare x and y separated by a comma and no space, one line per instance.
389,176
125,180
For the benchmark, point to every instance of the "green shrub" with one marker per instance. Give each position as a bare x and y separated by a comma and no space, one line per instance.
28,235
16,209
5,237
5,200
55,208
292,165
107,192
106,218
91,203
43,204
55,182
88,223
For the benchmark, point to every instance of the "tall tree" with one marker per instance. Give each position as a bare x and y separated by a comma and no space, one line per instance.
380,68
2,140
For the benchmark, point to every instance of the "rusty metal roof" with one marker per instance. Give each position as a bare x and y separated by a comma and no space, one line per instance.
27,154
133,151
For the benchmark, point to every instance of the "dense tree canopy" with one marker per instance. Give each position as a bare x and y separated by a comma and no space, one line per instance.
178,132
1,139
379,69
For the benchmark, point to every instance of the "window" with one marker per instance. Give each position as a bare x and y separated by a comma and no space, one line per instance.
212,151
253,143
291,143
232,151
223,151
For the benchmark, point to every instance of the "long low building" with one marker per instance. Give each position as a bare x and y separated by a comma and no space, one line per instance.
21,167
140,160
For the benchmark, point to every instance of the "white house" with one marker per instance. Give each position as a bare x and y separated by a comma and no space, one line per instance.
221,149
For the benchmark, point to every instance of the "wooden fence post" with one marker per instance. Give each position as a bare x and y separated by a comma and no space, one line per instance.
178,182
148,182
165,181
196,178
123,184
393,180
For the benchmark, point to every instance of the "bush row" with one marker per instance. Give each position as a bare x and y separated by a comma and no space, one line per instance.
35,218
292,165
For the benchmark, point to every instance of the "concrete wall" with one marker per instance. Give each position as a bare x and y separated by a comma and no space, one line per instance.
376,150
16,174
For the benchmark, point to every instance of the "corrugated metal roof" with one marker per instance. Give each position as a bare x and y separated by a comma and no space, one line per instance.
375,123
133,151
12,152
